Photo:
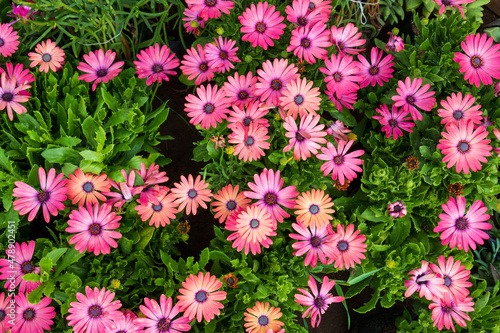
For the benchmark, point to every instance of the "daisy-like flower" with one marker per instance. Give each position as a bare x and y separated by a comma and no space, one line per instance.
22,264
252,114
159,213
125,324
394,44
316,242
12,95
208,108
455,277
426,282
464,146
324,6
395,121
221,55
126,189
33,317
160,317
84,188
347,38
191,193
210,8
48,56
272,80
21,74
195,65
300,14
227,201
262,318
481,60
268,190
99,67
299,97
338,130
341,74
94,312
305,138
193,21
22,13
378,71
460,229
348,246
152,175
8,40
452,3
250,141
457,108
240,89
261,24
94,228
155,64
317,301
5,320
200,297
396,209
445,311
51,196
345,100
310,42
342,165
314,208
412,94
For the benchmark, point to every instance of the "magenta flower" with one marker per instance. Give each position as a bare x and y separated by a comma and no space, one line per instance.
272,80
397,209
252,114
22,12
125,324
457,108
33,317
195,65
21,74
300,14
341,74
160,317
338,130
305,138
426,282
22,255
348,246
8,40
452,3
342,165
11,96
464,146
51,196
317,302
345,100
155,63
347,38
455,277
395,121
250,141
94,312
268,190
261,25
481,60
324,6
240,89
208,108
99,67
377,71
193,21
221,55
463,230
310,42
5,321
126,190
411,93
445,310
394,44
314,242
210,8
299,97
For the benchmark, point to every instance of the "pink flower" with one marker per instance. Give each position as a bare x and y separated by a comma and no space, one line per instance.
315,241
208,108
200,297
161,212
228,201
125,324
317,302
310,42
83,187
99,67
33,317
22,264
221,55
250,141
394,44
11,96
324,6
348,247
191,193
347,38
268,190
126,189
159,317
377,71
396,209
51,196
195,65
497,134
464,146
340,164
5,320
193,21
152,175
426,282
445,310
345,100
452,3
21,74
8,40
481,60
22,13
155,63
305,138
273,79
94,312
240,89
210,8
338,130
455,277
411,93
261,25
395,121
48,56
456,109
341,74
314,208
497,89
300,14
299,97
463,230
252,114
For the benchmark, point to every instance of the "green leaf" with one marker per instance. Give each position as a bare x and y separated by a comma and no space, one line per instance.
204,257
69,258
361,277
68,141
54,255
210,327
219,255
89,127
146,234
61,155
35,296
370,304
425,45
92,156
400,231
31,277
482,301
46,264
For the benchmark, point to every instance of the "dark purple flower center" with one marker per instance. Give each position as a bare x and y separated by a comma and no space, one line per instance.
203,66
254,223
201,296
476,61
299,137
373,70
461,223
208,108
260,27
319,302
312,6
446,309
1,42
158,207
305,43
242,95
342,246
157,68
46,57
2,315
95,229
276,84
315,241
341,45
231,205
223,55
302,21
397,209
29,314
393,122
7,97
164,325
410,99
230,281
210,3
446,2
314,209
458,115
338,159
447,281
337,77
102,72
463,146
88,187
95,311
263,320
192,193
27,267
247,121
299,99
270,199
43,196
249,141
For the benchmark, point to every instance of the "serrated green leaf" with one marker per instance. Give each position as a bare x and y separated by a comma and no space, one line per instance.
31,277
36,295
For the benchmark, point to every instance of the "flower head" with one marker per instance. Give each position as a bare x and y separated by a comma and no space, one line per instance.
314,208
195,65
395,121
227,201
252,114
456,189
210,8
305,138
99,67
250,141
412,94
455,277
310,42
341,164
315,241
22,264
221,55
5,322
159,212
456,108
155,64
345,100
426,282
21,74
341,74
159,318
261,318
193,20
445,310
273,79
394,44
338,130
348,246
452,3
12,95
300,14
261,24
22,12
299,97
127,190
126,324
377,71
209,107
48,56
191,193
240,89
33,317
397,209
231,280
347,38
86,187
8,40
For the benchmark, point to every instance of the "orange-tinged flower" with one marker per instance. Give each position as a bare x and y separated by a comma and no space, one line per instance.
231,280
227,201
314,208
86,187
48,56
191,193
261,318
